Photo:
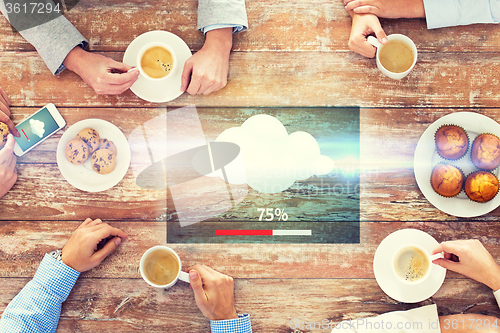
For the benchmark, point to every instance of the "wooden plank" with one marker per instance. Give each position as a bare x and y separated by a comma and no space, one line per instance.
321,26
24,243
388,188
272,303
284,79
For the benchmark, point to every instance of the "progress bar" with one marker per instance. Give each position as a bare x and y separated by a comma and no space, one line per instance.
263,232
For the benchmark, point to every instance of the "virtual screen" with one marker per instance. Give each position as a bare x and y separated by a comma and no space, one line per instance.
35,129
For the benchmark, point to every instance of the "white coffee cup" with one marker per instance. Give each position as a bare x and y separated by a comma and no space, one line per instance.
402,38
147,47
179,274
415,275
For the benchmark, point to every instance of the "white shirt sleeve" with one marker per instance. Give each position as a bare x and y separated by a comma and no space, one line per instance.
448,13
497,296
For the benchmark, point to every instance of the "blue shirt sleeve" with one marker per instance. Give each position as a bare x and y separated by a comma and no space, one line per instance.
448,13
38,306
240,325
236,28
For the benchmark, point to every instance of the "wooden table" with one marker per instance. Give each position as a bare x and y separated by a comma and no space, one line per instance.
294,54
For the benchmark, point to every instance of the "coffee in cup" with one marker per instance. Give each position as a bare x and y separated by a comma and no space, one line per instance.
397,58
161,267
156,61
411,263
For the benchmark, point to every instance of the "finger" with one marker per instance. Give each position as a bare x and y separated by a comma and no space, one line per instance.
6,120
450,247
451,265
95,222
86,222
104,230
123,78
381,36
4,106
367,10
364,48
351,4
122,67
186,75
194,86
5,97
108,248
206,87
197,286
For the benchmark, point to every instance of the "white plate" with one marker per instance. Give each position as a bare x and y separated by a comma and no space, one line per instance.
83,177
390,283
169,89
426,157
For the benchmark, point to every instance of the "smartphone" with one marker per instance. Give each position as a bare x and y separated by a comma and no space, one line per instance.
38,127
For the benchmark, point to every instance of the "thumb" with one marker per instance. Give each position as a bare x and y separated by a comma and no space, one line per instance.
381,36
197,285
107,249
186,75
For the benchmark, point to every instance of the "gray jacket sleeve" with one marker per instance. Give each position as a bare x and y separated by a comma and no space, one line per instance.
53,39
222,12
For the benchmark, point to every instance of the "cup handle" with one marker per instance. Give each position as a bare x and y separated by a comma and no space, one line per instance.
183,276
436,256
374,41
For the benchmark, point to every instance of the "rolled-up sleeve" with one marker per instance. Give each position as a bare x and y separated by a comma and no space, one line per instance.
231,12
53,39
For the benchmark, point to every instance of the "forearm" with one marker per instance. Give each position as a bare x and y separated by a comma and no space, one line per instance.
37,307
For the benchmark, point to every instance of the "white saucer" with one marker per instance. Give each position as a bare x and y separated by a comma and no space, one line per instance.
169,89
83,177
389,282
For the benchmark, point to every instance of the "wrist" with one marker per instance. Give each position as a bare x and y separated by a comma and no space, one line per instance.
227,316
74,59
219,39
494,281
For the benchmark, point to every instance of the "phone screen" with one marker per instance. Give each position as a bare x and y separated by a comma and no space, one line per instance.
36,128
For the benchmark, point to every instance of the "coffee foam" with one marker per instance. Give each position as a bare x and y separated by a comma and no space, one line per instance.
411,264
161,267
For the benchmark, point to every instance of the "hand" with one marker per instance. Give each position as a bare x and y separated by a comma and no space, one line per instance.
363,26
5,113
81,253
470,258
8,173
387,8
213,292
206,71
103,74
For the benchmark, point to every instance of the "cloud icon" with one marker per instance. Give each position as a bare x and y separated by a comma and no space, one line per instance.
272,159
37,127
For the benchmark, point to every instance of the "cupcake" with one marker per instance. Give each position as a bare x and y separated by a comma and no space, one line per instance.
4,132
447,180
485,152
481,186
451,142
